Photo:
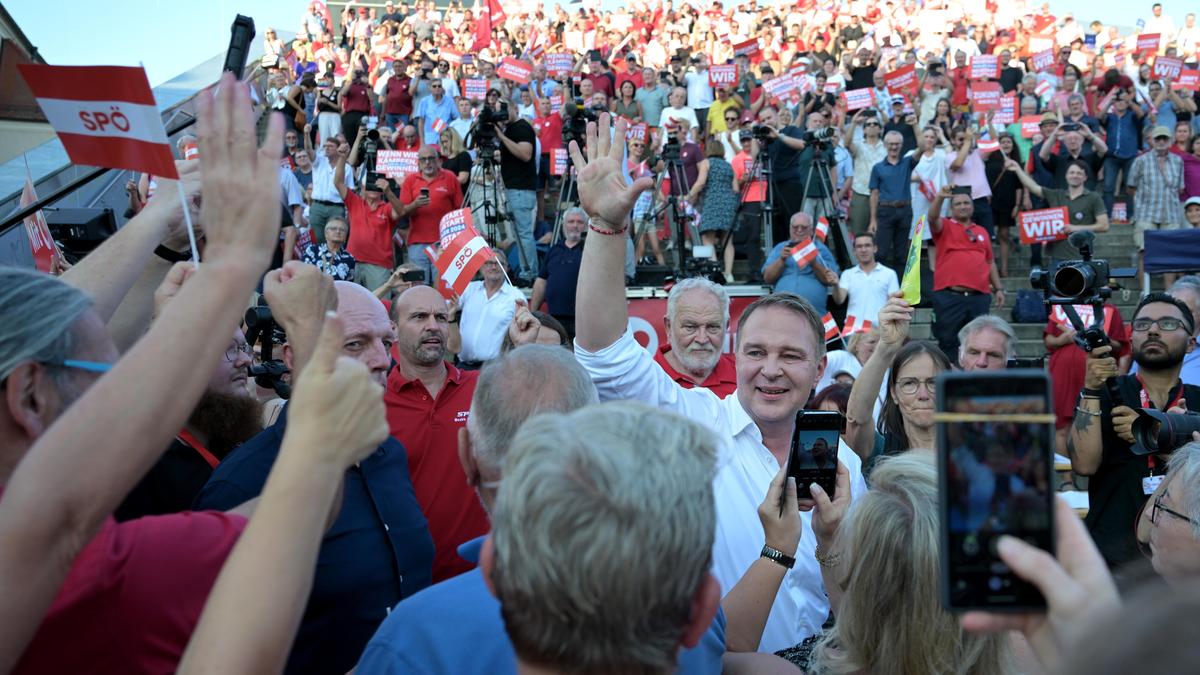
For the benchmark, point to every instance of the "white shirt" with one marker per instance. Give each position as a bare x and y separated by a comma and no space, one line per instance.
699,91
745,468
837,362
322,183
868,291
485,320
290,192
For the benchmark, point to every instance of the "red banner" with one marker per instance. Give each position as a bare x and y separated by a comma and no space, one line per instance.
1043,225
857,99
1167,68
985,68
514,70
41,244
1007,114
1189,80
1043,60
748,48
1030,125
646,321
902,80
985,96
1148,42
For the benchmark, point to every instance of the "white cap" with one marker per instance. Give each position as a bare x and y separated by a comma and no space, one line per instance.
1192,201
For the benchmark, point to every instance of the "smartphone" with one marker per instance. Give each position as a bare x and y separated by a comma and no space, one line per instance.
995,435
425,193
413,275
813,457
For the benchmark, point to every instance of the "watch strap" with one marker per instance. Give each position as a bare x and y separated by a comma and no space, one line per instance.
171,255
777,556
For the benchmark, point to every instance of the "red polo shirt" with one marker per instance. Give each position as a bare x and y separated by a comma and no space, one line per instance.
445,195
370,230
133,595
428,427
964,256
722,381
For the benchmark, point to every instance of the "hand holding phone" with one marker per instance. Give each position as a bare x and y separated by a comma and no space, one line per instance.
830,511
813,457
781,526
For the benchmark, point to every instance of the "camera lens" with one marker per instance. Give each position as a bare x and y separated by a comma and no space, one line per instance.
1074,280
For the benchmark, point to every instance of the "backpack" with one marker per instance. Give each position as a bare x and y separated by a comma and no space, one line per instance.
1029,307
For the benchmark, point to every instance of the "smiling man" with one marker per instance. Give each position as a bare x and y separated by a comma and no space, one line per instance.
780,355
696,319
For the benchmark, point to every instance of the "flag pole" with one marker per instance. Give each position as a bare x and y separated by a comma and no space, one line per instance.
187,219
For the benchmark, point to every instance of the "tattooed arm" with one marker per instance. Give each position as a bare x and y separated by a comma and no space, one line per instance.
1085,443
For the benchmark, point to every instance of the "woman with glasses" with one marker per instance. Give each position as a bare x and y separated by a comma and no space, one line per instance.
906,421
1169,526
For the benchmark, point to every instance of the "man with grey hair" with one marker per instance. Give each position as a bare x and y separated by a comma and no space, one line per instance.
1170,525
555,283
891,202
987,342
696,321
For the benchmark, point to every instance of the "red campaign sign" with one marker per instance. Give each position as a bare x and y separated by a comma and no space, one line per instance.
1043,225
556,102
475,88
779,86
646,321
985,68
722,75
1043,60
558,65
1148,42
832,87
857,99
1188,79
747,48
1167,68
636,132
902,80
985,96
1030,125
517,71
1120,213
453,224
559,165
798,71
1007,114
396,163
41,244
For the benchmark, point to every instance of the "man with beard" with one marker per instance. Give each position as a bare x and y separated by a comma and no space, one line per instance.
1100,439
226,416
428,402
378,550
696,319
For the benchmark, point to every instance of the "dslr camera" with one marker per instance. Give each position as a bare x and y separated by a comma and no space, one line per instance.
818,136
1080,282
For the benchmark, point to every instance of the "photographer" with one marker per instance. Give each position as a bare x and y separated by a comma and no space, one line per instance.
1101,437
372,218
357,102
518,168
784,146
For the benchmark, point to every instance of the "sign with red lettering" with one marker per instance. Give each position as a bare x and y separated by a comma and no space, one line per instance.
1148,42
985,96
857,99
1043,225
780,86
103,115
559,166
1189,80
723,75
985,68
1030,125
1167,68
1041,43
636,132
1007,114
1043,60
1120,212
902,80
41,244
832,87
798,70
514,70
556,102
396,163
558,65
453,224
475,88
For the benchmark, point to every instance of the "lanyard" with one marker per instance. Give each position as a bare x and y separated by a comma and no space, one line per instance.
186,436
1146,403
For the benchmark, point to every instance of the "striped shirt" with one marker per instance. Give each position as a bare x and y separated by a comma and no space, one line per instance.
1158,186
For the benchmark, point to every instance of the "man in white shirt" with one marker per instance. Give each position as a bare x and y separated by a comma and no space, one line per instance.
1188,38
326,200
699,91
1162,24
780,355
487,307
868,284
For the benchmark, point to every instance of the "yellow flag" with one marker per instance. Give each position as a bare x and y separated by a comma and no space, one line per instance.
910,284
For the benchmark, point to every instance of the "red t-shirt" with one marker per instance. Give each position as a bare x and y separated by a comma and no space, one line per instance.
549,132
370,231
602,82
356,99
635,77
445,195
743,162
722,381
133,595
398,101
964,256
962,83
428,427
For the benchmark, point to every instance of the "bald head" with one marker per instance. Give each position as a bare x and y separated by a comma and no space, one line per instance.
422,322
369,333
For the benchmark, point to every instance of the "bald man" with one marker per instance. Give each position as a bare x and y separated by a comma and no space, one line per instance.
378,551
428,402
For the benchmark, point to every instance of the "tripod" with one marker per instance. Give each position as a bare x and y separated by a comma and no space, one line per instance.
495,222
682,224
842,245
567,197
762,170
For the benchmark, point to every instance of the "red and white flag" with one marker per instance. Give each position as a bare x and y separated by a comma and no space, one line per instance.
438,125
490,16
104,115
855,325
987,145
831,327
453,224
805,253
461,260
822,230
41,244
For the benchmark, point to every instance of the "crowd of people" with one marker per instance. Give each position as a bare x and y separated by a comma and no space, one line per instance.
374,474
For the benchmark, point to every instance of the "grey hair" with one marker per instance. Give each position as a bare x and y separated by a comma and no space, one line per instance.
992,322
575,211
37,314
792,303
1184,468
695,284
528,380
1029,77
1189,282
1075,97
893,135
615,491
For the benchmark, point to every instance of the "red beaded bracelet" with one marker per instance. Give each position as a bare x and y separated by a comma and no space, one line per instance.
593,220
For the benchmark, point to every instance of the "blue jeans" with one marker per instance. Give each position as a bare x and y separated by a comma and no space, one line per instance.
1112,166
416,256
524,204
392,120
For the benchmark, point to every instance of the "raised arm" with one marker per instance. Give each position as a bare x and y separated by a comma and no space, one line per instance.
935,209
1026,180
608,200
894,321
1085,441
73,478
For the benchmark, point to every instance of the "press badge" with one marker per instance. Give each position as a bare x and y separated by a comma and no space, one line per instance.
1151,483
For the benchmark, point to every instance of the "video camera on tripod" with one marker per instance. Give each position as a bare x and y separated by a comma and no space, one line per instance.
577,116
483,134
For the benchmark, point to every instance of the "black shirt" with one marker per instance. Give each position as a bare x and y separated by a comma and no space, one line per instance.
170,487
519,174
561,272
458,163
1010,79
1115,493
862,77
905,129
784,162
1059,161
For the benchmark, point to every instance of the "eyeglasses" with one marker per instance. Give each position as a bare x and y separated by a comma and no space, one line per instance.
231,354
1165,324
1158,506
435,85
731,119
871,124
908,386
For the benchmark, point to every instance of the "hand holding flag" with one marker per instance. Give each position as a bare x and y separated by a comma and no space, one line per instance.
804,253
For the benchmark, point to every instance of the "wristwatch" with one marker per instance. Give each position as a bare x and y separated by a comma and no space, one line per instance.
171,255
775,555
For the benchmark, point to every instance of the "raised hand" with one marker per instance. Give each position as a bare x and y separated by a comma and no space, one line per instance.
602,189
177,276
779,514
895,319
300,295
523,330
829,513
240,207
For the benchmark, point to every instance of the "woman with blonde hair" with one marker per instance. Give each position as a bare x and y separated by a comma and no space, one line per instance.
455,157
880,566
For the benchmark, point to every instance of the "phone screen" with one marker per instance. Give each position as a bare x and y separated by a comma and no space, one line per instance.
995,459
814,453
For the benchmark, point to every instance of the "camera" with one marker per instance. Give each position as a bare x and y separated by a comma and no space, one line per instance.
483,136
1157,431
575,125
818,135
1078,282
671,148
261,327
762,132
370,149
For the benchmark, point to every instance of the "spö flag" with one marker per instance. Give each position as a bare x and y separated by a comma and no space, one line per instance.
911,283
459,262
104,116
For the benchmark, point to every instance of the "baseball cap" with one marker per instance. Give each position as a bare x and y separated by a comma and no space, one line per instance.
1159,132
1192,201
